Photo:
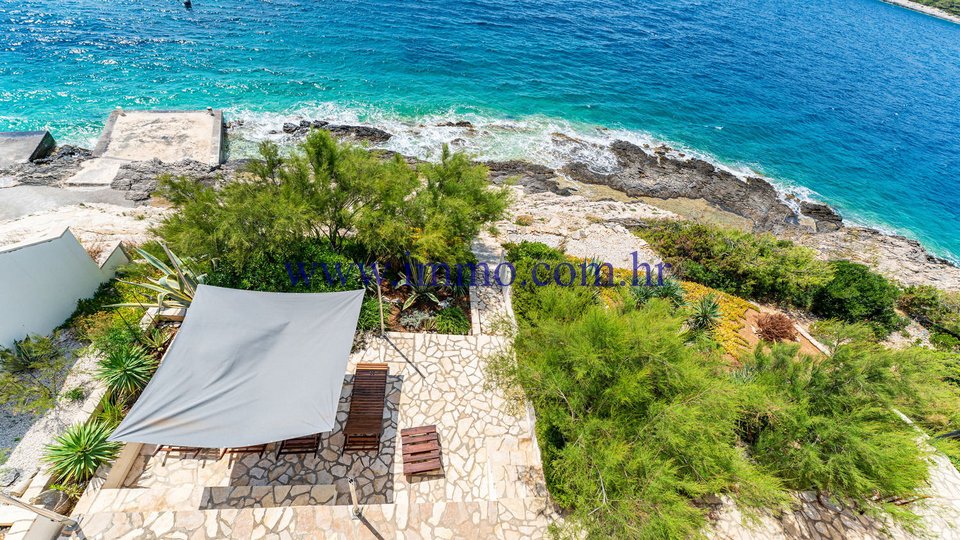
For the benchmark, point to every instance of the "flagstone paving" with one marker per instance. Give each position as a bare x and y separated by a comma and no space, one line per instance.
492,482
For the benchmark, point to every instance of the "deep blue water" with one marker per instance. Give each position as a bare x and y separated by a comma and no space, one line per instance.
855,100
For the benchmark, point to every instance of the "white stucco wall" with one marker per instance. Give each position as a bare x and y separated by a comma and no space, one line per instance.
41,281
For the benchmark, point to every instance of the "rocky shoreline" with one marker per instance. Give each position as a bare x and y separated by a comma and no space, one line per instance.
658,177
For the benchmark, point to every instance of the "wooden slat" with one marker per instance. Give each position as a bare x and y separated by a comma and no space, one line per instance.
423,447
426,466
418,430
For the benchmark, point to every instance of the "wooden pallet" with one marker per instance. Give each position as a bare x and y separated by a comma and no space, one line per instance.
421,450
367,400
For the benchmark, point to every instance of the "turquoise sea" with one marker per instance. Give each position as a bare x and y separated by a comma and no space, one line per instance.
854,102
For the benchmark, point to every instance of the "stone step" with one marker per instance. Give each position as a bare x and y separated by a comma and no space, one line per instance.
95,173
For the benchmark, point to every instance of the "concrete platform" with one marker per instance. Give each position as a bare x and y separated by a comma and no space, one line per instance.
24,146
97,173
169,136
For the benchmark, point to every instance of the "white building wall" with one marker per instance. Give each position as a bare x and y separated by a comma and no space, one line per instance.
41,281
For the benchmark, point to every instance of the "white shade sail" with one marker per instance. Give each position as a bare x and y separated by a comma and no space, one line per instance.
248,368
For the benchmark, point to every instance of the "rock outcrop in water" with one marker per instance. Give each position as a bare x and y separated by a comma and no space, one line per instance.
355,133
642,174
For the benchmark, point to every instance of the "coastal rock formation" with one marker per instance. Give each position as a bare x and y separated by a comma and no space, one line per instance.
526,174
642,174
895,256
63,163
826,218
139,178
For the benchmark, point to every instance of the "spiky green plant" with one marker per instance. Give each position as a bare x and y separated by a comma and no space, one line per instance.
126,370
175,288
670,290
704,314
76,455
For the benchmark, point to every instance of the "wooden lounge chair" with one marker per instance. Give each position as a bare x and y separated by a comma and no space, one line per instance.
365,419
300,445
258,449
421,450
172,449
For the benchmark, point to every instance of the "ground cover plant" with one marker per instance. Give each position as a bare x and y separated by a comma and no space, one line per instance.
758,266
639,421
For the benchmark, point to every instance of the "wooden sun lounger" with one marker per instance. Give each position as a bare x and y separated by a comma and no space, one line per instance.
365,419
300,445
173,449
259,449
421,450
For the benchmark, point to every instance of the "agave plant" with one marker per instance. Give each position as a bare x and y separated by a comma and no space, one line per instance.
156,339
126,370
418,289
175,288
77,454
705,314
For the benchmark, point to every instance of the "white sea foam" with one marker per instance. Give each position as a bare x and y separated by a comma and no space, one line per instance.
547,141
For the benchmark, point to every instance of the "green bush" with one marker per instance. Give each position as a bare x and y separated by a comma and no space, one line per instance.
452,320
75,394
31,375
76,455
757,266
126,370
827,424
855,294
370,314
937,310
28,353
634,425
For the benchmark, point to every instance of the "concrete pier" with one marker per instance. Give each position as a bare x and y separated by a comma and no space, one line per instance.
169,136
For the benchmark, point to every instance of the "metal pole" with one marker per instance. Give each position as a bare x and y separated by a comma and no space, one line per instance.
353,498
379,298
49,514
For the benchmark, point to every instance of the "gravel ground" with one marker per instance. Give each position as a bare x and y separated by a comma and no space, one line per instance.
25,437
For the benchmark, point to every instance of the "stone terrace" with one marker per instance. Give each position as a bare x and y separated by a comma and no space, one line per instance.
492,483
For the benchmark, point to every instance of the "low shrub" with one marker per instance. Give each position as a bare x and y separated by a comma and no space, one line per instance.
756,266
774,327
370,314
28,353
936,310
452,320
76,455
75,394
855,293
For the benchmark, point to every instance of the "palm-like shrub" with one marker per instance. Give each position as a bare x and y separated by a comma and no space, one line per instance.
670,290
28,353
776,327
176,286
126,370
705,314
77,454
